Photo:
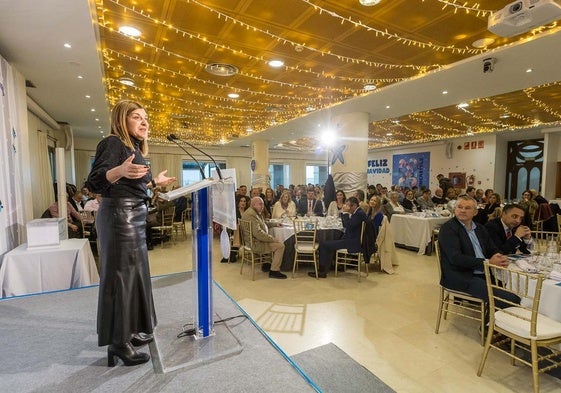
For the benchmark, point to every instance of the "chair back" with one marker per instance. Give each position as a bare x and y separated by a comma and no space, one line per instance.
168,215
439,264
543,238
305,232
527,286
246,234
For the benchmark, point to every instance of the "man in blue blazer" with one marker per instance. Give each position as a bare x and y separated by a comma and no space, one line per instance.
507,233
464,245
352,218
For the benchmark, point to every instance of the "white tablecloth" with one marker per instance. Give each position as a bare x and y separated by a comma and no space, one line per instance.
25,271
414,231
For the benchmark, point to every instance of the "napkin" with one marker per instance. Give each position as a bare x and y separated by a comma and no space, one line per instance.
555,275
526,266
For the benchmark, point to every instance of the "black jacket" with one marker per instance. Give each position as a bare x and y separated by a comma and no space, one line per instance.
498,236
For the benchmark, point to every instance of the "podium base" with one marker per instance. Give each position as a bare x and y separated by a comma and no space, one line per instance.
170,353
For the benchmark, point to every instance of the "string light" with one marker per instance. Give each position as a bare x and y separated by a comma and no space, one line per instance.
464,6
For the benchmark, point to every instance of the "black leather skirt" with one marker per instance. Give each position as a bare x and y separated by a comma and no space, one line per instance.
125,303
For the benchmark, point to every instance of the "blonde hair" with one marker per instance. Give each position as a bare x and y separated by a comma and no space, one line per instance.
119,115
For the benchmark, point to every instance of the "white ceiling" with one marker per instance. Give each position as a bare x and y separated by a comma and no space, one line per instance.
32,34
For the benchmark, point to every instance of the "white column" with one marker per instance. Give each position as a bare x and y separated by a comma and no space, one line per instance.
260,176
349,155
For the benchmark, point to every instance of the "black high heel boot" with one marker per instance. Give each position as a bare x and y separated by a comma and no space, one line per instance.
126,353
141,339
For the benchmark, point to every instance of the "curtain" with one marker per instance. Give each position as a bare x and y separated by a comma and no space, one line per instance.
171,162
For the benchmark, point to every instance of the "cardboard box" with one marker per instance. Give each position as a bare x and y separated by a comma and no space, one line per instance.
45,232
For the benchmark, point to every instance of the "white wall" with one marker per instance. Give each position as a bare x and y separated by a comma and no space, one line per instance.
479,162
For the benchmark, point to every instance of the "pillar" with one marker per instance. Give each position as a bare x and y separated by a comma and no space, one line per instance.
349,154
260,165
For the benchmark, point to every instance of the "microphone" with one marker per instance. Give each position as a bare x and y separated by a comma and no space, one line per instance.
172,136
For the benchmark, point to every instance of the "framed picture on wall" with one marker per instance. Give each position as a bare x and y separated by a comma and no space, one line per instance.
466,145
458,179
474,145
480,144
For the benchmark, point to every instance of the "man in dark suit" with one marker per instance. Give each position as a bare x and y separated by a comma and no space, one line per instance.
352,218
507,233
310,206
464,245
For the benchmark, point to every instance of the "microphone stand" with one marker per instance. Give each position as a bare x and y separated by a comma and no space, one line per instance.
172,139
172,136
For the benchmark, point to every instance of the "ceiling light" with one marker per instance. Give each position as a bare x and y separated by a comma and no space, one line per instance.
234,95
96,119
310,109
67,45
298,48
505,116
445,92
388,107
369,87
276,63
463,105
249,130
369,3
483,43
130,31
92,110
221,69
292,142
88,96
126,81
529,70
389,134
80,77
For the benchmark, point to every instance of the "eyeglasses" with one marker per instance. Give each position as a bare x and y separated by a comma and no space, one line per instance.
139,118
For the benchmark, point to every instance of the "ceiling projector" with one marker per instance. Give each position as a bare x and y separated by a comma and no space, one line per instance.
522,16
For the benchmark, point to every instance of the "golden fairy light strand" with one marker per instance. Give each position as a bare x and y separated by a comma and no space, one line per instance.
341,57
199,37
394,36
241,73
539,103
465,7
220,85
506,110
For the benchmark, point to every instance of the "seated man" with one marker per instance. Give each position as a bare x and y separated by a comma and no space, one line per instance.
464,245
352,217
507,233
438,198
262,240
310,206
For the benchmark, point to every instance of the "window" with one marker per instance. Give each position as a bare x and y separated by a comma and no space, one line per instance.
192,174
280,174
316,174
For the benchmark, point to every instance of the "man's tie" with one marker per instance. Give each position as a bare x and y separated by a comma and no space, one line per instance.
508,234
310,205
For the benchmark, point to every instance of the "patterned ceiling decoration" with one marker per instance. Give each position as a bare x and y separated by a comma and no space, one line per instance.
332,51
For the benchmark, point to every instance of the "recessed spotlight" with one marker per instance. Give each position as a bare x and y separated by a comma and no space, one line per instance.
463,105
369,3
298,48
529,70
276,63
504,116
221,69
234,95
483,43
130,31
80,77
388,107
88,96
279,145
369,87
126,81
67,45
444,91
96,119
92,110
292,142
389,134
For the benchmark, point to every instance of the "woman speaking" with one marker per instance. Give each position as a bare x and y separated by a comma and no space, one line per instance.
125,314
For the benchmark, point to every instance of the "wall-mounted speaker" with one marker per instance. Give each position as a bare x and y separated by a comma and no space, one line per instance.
449,149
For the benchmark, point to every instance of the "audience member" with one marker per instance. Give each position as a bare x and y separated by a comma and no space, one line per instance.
438,198
464,245
310,206
353,217
508,234
444,183
336,207
409,203
93,204
262,240
284,207
425,202
392,206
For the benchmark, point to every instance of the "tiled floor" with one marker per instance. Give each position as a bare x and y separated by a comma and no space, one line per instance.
386,322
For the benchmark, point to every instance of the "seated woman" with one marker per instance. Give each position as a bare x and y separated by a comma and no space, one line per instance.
491,210
269,202
336,206
374,212
530,207
392,206
284,207
409,203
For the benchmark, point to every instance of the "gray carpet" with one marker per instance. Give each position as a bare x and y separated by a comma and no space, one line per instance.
335,372
49,344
